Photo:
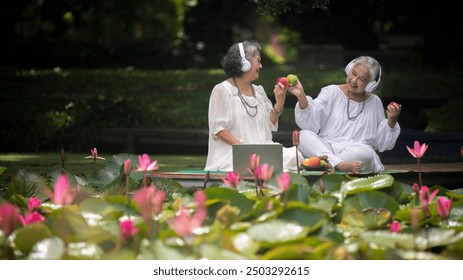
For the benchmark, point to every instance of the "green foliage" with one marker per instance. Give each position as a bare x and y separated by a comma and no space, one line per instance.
26,183
69,107
277,7
239,223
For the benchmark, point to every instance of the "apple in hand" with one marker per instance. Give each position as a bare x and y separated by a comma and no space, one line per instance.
292,79
393,103
284,81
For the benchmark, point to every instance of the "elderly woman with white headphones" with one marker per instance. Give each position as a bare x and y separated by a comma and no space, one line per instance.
347,122
241,112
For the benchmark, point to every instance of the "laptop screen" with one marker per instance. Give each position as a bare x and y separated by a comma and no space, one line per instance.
272,154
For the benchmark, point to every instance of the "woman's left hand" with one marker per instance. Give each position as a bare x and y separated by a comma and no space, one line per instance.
393,111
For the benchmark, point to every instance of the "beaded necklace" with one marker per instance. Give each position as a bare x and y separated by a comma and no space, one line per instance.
246,105
353,118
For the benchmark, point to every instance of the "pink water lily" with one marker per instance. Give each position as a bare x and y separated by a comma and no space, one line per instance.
127,229
443,207
284,181
33,217
33,204
426,198
127,166
232,179
9,218
296,135
395,227
418,150
145,164
62,193
255,161
186,222
94,155
150,201
264,172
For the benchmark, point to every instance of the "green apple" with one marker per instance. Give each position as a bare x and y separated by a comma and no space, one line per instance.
292,79
322,162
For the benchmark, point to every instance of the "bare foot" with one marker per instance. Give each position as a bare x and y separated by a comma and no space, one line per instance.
354,166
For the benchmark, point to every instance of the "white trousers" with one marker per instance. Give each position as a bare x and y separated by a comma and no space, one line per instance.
312,145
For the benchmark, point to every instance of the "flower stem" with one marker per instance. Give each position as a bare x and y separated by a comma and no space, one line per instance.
419,173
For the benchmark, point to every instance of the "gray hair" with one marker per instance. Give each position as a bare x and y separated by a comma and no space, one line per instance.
231,62
374,68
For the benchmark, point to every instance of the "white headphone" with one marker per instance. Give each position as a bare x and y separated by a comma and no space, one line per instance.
245,64
371,86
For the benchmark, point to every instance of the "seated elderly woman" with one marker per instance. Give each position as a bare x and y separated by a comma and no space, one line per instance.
241,112
347,122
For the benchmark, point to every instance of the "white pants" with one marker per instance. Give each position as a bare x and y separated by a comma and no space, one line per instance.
312,145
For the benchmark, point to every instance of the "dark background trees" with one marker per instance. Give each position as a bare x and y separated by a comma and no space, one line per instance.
171,34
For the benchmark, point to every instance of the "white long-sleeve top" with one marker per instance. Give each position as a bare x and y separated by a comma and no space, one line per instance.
326,115
226,112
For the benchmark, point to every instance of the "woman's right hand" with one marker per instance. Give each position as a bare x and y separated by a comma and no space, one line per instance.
298,91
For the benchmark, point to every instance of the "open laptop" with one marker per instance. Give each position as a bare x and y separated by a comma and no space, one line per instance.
272,154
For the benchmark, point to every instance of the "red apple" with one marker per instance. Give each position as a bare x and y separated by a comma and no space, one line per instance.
284,81
393,103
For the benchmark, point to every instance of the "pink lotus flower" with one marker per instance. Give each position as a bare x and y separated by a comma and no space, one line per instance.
9,218
284,181
264,172
255,161
127,229
395,227
145,164
426,198
418,150
127,166
296,135
443,207
62,193
150,201
185,223
33,217
95,155
33,204
232,179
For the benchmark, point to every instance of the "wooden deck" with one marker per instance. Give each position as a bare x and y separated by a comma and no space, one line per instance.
449,175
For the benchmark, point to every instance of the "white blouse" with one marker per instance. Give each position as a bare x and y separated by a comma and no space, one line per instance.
327,115
227,112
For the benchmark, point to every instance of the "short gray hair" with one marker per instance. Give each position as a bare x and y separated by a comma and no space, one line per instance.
231,62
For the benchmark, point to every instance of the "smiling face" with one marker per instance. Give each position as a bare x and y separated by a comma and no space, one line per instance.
256,65
358,78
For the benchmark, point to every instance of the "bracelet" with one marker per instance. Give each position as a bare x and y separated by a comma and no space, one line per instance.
277,113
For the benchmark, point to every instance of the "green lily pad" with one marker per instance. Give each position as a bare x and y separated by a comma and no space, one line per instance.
281,231
48,249
27,237
367,218
367,184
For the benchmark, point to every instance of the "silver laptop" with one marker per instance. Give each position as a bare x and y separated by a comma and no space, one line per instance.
272,154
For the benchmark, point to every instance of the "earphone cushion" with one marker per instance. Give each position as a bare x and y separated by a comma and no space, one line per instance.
245,65
371,86
349,67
